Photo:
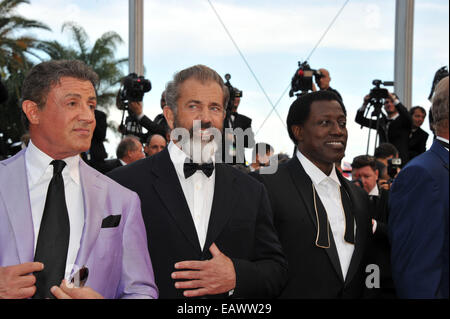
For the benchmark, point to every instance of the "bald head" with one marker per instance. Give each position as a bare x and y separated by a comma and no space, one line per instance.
156,143
324,81
439,109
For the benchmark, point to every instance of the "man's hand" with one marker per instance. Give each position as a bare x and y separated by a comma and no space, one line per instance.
136,108
17,282
67,291
209,277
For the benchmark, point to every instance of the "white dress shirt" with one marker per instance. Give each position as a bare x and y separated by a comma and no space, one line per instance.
198,190
39,174
328,189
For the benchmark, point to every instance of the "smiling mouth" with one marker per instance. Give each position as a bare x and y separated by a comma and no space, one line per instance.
336,144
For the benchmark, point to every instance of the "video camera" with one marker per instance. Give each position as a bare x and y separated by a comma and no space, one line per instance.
133,89
234,92
378,93
302,79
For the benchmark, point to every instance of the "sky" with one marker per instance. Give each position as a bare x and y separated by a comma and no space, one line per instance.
268,38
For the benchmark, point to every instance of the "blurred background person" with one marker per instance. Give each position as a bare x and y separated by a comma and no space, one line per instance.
128,151
258,160
323,82
417,137
155,144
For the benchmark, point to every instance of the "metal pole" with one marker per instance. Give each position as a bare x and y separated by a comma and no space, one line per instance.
404,27
136,36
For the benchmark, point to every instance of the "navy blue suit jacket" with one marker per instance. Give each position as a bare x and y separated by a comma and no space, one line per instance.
419,226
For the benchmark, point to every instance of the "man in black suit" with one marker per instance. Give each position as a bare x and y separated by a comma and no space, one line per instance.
394,127
417,136
233,121
128,151
209,226
365,170
322,220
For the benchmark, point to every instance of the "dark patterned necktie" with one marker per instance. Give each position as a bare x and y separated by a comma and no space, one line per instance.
53,239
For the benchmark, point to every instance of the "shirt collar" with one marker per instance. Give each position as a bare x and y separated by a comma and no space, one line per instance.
442,139
316,175
375,191
38,162
394,117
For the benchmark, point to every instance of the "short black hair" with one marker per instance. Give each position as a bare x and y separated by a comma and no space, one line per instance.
418,107
301,107
384,150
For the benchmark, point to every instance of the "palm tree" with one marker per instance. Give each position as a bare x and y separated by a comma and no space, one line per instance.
15,50
101,57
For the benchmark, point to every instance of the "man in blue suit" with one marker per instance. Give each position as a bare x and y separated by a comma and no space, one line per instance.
418,219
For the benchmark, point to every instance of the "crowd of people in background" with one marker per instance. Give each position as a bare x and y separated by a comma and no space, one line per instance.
309,230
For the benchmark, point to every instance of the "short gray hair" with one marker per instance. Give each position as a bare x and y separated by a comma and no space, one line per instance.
199,72
439,109
129,143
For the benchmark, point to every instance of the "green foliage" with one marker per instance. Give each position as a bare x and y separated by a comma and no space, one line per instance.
16,51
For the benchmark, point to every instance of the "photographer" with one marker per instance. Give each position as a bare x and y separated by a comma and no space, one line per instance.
129,98
323,79
393,127
136,109
234,120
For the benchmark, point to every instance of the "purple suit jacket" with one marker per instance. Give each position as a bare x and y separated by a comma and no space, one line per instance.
117,258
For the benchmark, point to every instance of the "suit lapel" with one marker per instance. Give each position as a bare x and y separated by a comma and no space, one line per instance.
94,195
303,185
168,187
17,200
224,200
361,228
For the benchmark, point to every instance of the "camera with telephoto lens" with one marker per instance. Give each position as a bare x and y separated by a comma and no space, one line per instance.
234,92
394,164
133,89
302,79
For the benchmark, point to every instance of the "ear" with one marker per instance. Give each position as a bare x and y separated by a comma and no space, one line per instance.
377,172
31,110
170,116
298,132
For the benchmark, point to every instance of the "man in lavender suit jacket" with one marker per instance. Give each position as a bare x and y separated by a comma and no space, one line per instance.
107,234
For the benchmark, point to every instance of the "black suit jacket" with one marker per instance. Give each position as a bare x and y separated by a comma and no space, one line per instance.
315,272
109,165
380,250
240,225
417,143
398,132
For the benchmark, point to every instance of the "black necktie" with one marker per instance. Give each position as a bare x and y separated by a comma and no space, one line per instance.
190,168
53,239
